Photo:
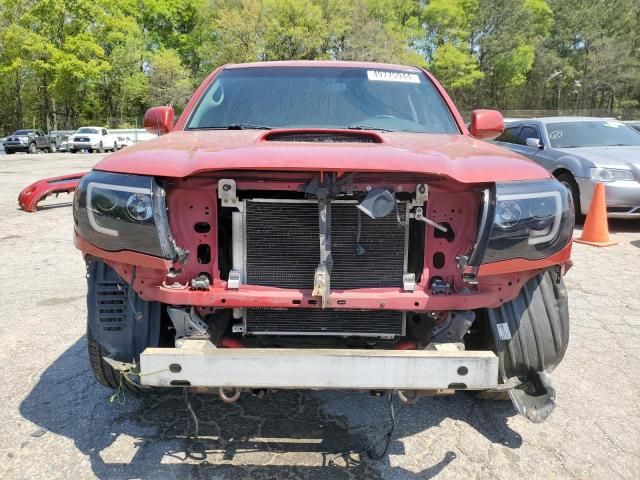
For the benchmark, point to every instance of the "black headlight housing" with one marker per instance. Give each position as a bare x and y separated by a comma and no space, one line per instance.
529,220
118,212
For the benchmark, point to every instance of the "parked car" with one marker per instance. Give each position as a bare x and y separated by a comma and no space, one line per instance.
634,124
123,142
93,139
580,152
29,141
63,142
345,231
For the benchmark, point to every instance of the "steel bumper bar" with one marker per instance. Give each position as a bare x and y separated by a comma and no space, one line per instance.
319,368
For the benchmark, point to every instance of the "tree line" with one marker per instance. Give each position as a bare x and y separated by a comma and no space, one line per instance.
65,63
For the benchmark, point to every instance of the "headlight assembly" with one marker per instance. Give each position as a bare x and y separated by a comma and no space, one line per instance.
531,220
123,212
610,174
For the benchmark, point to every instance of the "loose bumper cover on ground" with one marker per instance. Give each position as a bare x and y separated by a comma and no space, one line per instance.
319,368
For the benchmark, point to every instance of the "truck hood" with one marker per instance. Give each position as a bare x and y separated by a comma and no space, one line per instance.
607,156
184,153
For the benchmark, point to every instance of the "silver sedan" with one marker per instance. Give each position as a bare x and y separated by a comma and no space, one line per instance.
580,152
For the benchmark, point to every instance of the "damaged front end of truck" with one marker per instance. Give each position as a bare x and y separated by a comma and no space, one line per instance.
326,259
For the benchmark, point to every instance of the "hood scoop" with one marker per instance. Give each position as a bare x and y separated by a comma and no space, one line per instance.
322,136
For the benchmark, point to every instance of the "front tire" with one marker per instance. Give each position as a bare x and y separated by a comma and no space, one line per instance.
9,152
570,183
53,148
32,149
100,148
103,372
72,150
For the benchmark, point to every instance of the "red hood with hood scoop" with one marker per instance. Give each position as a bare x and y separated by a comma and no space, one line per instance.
184,153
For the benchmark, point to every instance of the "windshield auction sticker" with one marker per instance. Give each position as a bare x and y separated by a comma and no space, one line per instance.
387,76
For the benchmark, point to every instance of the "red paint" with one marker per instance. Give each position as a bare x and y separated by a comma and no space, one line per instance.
38,191
158,120
406,345
184,153
227,342
486,124
125,256
520,265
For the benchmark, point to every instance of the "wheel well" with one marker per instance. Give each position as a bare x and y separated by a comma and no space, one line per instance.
560,171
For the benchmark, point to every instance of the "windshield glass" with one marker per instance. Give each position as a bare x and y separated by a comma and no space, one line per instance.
23,132
597,133
87,130
323,97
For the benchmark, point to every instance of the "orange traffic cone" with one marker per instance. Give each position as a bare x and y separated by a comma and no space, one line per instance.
596,230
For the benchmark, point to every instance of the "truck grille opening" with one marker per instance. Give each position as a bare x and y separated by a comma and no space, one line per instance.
301,321
282,245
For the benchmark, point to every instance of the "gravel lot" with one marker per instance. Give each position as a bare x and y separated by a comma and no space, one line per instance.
59,423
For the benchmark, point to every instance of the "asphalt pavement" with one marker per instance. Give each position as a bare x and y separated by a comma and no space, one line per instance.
57,422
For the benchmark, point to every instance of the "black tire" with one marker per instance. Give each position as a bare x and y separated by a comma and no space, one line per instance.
115,147
100,148
104,373
9,152
568,181
109,299
538,323
91,150
32,148
72,150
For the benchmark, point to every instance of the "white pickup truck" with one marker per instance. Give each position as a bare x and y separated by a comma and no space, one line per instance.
93,139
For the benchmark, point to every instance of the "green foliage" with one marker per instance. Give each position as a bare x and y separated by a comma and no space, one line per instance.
69,62
169,81
454,67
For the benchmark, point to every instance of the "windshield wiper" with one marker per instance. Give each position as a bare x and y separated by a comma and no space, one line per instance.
234,126
367,127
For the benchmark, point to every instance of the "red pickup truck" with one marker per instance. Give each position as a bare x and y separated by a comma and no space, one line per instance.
325,225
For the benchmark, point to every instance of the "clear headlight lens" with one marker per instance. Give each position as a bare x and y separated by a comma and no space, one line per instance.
123,212
531,220
601,174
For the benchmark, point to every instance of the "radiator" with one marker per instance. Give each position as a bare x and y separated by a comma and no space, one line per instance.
303,321
281,249
282,245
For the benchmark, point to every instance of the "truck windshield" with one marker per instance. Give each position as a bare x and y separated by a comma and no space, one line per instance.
23,132
323,97
598,133
87,130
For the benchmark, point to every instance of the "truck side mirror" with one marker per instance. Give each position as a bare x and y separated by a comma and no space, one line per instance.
486,124
158,120
534,143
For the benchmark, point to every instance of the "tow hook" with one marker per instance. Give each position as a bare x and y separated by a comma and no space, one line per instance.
226,398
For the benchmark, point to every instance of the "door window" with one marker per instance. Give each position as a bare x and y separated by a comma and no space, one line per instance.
528,132
510,135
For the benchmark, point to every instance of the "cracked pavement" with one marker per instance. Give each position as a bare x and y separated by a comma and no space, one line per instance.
59,423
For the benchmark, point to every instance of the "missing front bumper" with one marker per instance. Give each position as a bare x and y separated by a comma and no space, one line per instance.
319,368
